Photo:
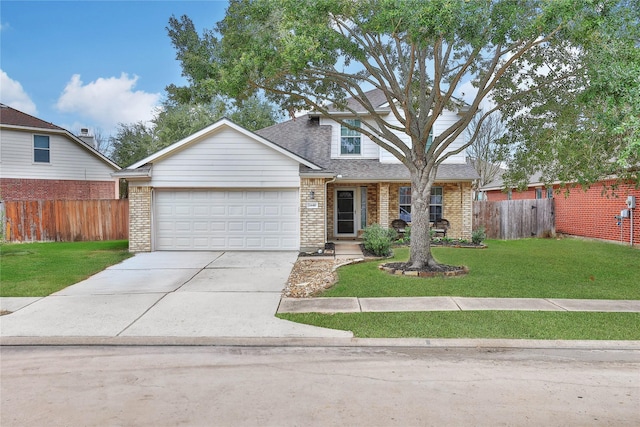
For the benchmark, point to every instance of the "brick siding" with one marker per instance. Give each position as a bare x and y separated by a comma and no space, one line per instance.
312,214
140,219
588,213
383,205
13,189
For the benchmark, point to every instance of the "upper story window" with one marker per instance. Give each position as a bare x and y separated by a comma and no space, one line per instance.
41,149
350,140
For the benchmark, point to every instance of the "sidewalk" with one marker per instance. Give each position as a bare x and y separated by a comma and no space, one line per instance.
370,305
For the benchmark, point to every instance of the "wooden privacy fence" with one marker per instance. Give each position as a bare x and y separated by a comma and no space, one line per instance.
66,220
515,219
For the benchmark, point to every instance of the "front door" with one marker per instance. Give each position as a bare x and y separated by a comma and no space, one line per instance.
346,212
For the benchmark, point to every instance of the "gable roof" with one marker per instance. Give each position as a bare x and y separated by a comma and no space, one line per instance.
305,136
222,123
10,118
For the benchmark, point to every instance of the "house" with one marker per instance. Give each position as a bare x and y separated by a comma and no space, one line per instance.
292,186
592,213
39,160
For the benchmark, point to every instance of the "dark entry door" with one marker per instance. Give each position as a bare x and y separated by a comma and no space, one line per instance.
345,211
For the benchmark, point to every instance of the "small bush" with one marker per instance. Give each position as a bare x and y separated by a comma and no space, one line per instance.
478,235
378,240
406,238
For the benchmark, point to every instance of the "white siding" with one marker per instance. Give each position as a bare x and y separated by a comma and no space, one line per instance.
446,119
369,149
226,159
68,160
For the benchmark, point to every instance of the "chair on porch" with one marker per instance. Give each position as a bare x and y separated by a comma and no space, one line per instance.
440,227
400,226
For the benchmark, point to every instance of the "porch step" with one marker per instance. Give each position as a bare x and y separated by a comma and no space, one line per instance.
348,250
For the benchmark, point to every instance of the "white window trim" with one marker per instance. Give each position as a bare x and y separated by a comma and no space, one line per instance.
34,148
359,136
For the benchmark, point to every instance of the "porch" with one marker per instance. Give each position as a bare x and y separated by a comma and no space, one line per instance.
338,211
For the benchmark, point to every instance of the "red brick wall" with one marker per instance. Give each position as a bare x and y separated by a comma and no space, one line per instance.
44,189
588,213
592,214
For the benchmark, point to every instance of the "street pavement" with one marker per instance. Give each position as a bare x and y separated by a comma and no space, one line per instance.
317,386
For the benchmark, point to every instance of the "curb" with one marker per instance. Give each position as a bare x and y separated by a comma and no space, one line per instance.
425,343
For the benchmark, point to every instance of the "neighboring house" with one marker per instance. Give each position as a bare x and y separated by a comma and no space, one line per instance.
39,160
592,213
291,186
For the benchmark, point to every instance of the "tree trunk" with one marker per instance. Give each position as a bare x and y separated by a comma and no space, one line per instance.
420,253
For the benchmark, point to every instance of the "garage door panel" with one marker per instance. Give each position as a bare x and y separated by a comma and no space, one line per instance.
254,226
227,220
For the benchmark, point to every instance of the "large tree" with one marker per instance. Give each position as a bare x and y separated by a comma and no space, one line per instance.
316,54
585,135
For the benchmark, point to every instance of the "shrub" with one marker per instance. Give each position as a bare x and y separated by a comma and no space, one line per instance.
378,240
406,238
478,235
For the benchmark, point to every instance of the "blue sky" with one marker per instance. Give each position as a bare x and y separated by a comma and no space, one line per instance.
92,63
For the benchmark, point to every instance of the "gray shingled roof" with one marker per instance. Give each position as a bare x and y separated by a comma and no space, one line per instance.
305,137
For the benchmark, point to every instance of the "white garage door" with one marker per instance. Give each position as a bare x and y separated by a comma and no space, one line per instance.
227,220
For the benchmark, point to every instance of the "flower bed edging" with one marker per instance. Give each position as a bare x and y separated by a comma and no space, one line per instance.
416,273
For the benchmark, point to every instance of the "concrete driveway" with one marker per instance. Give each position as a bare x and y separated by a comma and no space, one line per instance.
169,294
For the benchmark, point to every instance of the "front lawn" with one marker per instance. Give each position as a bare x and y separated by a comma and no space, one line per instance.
528,268
542,325
39,269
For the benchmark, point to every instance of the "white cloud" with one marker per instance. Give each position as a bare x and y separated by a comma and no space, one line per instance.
13,95
108,101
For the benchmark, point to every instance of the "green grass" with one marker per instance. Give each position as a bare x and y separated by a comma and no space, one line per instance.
39,269
481,324
528,268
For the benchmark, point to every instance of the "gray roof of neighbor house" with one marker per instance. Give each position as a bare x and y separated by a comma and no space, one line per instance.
498,183
312,141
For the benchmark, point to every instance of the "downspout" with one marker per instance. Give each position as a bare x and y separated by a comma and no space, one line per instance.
326,204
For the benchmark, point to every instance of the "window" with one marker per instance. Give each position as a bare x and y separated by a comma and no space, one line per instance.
509,195
429,140
363,208
435,204
350,140
549,193
41,152
538,193
405,203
